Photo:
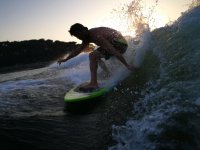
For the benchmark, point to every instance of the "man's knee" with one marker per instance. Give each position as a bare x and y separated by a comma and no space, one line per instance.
93,56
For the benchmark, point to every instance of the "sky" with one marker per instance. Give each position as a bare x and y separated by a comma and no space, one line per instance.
51,19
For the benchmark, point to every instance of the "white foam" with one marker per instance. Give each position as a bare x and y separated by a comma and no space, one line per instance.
165,98
197,102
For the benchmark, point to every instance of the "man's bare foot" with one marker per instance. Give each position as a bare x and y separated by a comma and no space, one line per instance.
88,88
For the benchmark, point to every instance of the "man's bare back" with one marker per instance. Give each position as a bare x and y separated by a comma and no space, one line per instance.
105,32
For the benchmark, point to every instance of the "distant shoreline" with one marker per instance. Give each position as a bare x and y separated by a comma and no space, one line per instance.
21,53
22,67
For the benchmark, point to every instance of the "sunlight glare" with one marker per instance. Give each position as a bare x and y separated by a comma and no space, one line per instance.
160,20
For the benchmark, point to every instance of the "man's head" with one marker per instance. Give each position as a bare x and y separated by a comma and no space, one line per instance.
78,30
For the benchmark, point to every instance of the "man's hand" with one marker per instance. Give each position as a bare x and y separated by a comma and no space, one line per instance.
60,61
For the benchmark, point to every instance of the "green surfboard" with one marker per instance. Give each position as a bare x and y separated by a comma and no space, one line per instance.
75,95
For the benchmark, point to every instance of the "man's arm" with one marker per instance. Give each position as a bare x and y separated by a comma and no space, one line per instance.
74,53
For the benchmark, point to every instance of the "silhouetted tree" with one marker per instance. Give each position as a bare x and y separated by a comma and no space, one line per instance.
25,52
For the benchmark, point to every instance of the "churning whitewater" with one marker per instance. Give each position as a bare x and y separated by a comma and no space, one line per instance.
167,115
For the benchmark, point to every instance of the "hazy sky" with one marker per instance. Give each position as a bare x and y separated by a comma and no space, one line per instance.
51,19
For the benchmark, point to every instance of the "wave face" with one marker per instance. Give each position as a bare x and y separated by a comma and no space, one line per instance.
166,114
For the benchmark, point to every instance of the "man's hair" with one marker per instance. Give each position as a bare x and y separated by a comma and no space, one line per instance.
77,27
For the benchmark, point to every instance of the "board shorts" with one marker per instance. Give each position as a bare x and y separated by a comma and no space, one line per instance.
120,44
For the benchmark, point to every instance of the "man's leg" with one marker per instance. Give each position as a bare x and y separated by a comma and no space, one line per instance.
93,68
104,67
94,58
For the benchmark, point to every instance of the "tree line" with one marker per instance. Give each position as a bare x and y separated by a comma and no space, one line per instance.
31,51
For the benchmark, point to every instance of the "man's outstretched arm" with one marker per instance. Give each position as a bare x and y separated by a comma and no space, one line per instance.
73,54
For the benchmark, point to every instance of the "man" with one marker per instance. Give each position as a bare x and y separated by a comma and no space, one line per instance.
110,42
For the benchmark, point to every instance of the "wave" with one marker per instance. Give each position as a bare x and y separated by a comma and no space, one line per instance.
166,113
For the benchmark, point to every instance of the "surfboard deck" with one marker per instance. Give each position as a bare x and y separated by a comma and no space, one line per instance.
76,95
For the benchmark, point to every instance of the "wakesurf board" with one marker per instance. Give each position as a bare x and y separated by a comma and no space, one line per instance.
78,95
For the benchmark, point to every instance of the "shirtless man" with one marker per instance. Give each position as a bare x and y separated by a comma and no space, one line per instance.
110,42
